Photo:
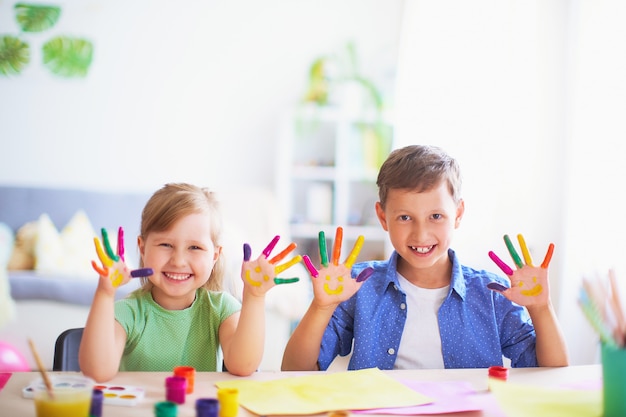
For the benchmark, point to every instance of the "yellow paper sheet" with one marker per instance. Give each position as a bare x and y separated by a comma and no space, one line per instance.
311,394
518,400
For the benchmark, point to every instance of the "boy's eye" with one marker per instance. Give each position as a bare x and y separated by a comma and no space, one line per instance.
437,216
405,217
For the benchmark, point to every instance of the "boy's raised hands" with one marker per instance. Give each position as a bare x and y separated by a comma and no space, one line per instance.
333,283
260,274
529,283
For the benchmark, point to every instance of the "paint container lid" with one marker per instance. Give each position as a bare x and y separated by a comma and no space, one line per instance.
165,409
499,372
207,407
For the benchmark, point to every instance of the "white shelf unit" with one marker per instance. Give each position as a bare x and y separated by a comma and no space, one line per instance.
326,177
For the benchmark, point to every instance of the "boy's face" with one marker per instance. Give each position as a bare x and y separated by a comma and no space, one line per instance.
420,227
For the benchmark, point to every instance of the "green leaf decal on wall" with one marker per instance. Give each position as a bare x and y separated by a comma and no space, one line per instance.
14,55
36,18
68,57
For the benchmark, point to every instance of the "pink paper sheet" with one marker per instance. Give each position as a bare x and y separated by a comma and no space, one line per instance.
449,396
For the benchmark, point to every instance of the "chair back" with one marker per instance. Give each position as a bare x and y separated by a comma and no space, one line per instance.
66,350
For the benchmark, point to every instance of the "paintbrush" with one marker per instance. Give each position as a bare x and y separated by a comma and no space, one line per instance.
42,369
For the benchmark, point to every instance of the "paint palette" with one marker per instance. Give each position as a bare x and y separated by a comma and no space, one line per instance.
125,395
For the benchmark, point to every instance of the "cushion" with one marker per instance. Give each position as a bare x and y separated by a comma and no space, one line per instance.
69,251
7,306
23,255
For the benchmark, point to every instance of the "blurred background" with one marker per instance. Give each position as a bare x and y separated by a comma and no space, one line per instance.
529,96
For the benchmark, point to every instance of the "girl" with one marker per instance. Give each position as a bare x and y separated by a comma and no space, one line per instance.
179,316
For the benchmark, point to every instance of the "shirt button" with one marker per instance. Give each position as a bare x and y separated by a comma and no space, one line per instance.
395,287
402,306
391,351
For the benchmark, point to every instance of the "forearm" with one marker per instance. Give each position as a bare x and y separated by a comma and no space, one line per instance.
248,341
550,345
303,347
98,354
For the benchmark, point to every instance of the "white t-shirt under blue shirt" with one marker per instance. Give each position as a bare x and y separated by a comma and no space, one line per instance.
420,345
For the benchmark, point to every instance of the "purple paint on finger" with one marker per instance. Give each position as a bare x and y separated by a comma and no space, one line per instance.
247,252
365,274
120,243
496,286
143,272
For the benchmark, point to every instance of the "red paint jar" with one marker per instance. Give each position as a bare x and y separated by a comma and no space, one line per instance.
499,372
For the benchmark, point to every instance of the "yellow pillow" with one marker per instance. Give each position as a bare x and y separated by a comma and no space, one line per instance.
69,252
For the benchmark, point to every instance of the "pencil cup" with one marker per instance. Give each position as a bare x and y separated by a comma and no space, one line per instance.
70,396
614,381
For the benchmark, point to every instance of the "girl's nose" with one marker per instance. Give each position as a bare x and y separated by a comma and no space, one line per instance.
177,258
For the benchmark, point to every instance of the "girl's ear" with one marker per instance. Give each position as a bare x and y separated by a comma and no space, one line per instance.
218,252
460,210
380,213
141,245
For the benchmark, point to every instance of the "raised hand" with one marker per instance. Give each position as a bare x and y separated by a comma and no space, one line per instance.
333,283
261,274
529,283
113,263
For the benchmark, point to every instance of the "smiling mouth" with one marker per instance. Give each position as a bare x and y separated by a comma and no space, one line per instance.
177,277
422,249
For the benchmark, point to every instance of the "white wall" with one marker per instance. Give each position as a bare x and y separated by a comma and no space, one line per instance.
178,91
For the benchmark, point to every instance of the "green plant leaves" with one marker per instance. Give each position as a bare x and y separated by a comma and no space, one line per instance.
36,18
68,57
14,55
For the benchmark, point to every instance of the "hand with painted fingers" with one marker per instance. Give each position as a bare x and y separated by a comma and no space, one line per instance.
114,269
332,282
262,273
529,283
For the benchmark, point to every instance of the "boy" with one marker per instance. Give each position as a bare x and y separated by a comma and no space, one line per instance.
421,308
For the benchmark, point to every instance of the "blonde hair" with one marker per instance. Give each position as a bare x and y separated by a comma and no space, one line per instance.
175,201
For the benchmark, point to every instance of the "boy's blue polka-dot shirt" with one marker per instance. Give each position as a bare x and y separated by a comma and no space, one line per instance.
477,326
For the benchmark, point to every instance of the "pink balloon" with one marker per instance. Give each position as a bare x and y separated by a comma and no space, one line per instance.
12,360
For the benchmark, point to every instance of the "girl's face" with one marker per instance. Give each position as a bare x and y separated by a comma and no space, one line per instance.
421,226
182,259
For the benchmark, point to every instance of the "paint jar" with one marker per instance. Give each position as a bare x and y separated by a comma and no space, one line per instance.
97,397
338,413
71,396
229,401
165,409
175,389
207,407
498,372
189,373
613,380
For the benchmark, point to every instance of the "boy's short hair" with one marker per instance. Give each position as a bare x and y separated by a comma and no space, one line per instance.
420,168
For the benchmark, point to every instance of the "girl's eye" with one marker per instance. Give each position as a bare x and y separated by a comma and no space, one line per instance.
166,245
195,248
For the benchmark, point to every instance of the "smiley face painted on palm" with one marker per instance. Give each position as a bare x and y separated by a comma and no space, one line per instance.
529,283
261,274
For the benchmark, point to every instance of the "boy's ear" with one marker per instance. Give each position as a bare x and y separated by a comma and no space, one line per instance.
380,213
460,210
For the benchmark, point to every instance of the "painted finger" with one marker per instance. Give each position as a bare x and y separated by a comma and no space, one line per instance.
356,249
106,261
364,274
522,244
323,252
280,268
548,258
496,286
337,246
120,243
142,272
247,252
283,254
504,267
104,271
309,265
266,252
279,281
513,252
107,245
